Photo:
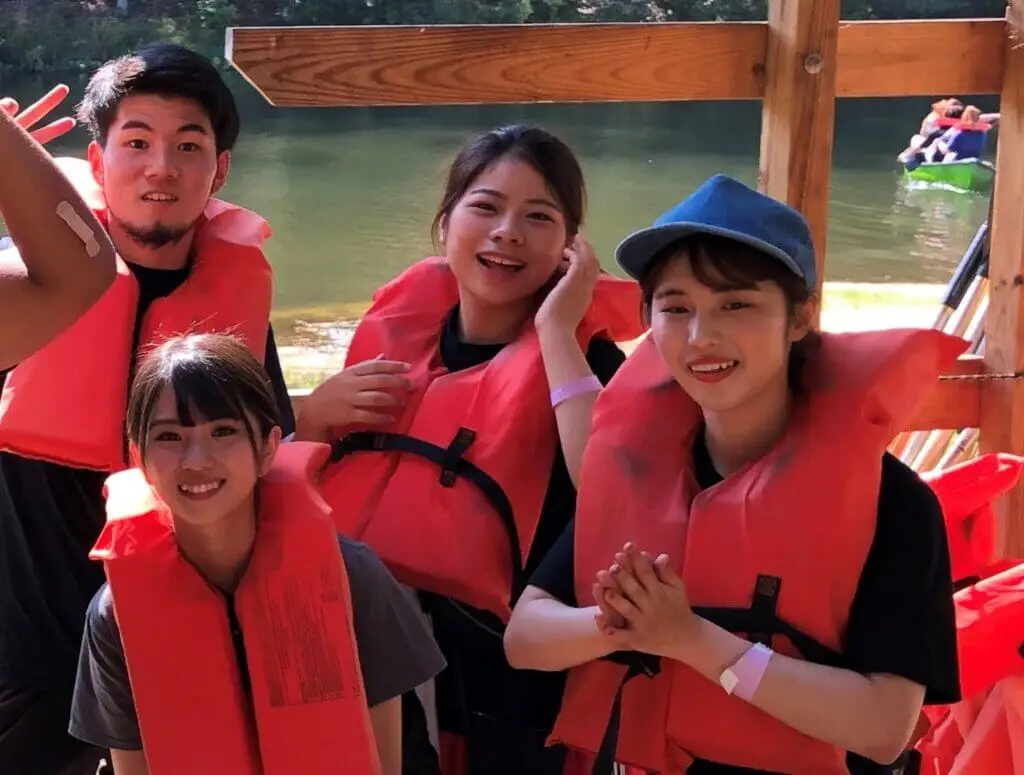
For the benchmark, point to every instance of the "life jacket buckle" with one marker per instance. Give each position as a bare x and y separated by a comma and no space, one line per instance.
453,455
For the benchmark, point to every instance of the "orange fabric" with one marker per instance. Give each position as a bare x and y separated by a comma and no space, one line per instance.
440,536
804,513
966,492
228,290
294,609
983,735
990,630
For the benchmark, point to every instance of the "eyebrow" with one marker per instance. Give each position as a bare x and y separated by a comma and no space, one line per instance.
499,195
669,292
137,124
164,421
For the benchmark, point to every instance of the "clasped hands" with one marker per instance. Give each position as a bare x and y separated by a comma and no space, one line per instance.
643,605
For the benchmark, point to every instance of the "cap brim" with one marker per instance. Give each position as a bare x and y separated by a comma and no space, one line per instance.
636,251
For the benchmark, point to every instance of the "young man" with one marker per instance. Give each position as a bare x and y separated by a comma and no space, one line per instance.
164,124
61,274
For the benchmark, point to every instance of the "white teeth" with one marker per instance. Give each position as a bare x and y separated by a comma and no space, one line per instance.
501,261
158,198
710,368
199,489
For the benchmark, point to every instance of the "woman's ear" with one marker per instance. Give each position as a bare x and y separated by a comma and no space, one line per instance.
270,449
804,316
134,456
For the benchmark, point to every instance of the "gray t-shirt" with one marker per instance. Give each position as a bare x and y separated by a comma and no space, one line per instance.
396,652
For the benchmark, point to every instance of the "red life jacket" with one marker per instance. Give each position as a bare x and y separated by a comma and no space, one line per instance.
450,495
66,404
966,492
775,551
990,628
295,612
982,735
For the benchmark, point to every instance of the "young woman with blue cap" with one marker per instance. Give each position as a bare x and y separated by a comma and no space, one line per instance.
752,584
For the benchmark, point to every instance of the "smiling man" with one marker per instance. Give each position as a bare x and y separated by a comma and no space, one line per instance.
163,124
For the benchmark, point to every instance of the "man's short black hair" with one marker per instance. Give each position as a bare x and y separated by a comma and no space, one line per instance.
165,70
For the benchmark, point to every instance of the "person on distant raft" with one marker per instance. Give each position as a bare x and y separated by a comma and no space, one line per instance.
933,126
65,259
163,124
965,139
458,428
226,589
768,587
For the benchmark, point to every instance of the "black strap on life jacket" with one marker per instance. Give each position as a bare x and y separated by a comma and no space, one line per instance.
760,622
453,464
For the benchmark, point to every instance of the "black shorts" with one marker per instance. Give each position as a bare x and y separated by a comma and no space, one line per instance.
34,737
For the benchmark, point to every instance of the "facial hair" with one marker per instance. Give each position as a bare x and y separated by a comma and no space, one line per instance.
156,236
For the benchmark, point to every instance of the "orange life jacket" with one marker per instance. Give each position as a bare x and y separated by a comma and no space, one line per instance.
776,549
295,613
990,629
982,735
66,404
456,514
972,126
966,492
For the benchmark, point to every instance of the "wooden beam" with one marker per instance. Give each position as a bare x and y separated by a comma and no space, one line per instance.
1002,401
514,63
950,405
798,112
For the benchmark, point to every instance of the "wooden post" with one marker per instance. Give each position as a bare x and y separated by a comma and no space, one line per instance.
1002,401
798,112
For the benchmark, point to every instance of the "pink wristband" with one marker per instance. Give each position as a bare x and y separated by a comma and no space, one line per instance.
576,387
743,678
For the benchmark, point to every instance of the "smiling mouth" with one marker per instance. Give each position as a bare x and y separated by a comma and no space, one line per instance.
200,491
161,198
500,263
712,371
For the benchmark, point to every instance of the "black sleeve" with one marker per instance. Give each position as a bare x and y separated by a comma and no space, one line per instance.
273,366
556,572
102,707
902,621
604,358
397,653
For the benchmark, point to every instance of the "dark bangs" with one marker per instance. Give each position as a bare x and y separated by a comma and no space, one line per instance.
723,264
213,378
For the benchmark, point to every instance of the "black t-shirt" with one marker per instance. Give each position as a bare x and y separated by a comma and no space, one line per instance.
50,517
507,712
902,619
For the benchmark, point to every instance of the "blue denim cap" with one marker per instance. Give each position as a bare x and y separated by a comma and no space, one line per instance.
727,208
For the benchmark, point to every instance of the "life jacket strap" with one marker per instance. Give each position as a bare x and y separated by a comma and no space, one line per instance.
453,464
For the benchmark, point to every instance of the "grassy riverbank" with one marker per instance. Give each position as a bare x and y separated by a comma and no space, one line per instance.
846,307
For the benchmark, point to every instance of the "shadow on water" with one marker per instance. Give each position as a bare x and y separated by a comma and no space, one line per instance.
350,192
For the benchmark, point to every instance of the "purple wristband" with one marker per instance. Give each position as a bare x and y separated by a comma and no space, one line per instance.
743,678
573,388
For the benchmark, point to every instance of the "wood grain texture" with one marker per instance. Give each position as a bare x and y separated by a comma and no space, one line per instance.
798,111
1002,403
952,404
503,64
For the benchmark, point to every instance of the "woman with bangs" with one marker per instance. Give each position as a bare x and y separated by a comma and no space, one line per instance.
220,524
752,583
